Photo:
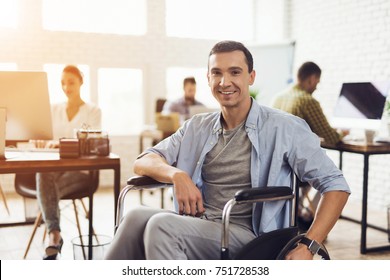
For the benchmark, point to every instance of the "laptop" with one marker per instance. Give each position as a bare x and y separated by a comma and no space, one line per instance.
200,109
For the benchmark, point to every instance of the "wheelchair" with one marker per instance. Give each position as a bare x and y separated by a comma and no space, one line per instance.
273,245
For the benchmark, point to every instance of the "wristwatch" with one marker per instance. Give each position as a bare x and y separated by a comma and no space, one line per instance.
312,245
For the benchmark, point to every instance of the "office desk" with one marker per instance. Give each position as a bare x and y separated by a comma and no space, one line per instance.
366,150
22,162
153,134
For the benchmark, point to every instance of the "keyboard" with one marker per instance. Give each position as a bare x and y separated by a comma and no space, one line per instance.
34,150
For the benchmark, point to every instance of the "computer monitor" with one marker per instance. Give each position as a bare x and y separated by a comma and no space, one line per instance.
24,97
360,105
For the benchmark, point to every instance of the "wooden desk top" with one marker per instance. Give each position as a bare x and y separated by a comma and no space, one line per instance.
156,134
360,147
21,161
152,133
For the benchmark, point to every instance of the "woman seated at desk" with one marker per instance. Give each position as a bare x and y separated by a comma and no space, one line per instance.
51,186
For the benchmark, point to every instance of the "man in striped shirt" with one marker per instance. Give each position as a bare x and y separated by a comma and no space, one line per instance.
299,101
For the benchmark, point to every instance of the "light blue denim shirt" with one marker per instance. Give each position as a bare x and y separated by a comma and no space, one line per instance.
280,143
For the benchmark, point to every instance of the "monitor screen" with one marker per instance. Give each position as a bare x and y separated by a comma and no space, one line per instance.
363,100
360,105
25,97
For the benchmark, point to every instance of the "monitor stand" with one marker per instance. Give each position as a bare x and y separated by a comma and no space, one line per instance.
2,132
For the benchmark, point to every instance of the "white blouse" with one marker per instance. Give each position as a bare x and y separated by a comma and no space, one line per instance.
88,116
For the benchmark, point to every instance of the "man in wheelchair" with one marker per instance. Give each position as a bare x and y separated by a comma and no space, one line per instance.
214,155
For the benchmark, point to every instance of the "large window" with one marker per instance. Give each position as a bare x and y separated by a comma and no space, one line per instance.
206,19
97,16
175,77
270,21
8,66
54,73
8,13
121,100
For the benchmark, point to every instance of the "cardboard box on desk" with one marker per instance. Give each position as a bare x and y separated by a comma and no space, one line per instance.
167,122
69,148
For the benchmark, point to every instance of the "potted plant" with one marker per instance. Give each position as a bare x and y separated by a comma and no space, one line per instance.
387,107
386,112
255,92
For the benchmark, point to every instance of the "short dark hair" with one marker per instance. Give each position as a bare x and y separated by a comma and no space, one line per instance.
75,71
189,80
230,46
307,69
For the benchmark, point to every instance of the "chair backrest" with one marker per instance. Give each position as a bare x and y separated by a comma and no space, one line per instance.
25,185
160,104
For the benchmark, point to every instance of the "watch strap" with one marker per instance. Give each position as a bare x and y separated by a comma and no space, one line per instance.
314,247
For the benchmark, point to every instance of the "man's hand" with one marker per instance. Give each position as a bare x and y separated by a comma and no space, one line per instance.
343,132
41,144
327,214
301,252
188,196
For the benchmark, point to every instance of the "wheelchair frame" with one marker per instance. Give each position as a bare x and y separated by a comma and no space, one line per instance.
252,195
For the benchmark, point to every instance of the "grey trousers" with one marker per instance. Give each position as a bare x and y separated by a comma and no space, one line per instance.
51,187
155,234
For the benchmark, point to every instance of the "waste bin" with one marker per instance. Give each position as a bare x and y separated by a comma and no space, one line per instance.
100,244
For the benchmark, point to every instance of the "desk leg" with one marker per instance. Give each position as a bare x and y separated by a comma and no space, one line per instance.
90,228
363,242
117,179
141,149
141,144
363,222
341,160
162,198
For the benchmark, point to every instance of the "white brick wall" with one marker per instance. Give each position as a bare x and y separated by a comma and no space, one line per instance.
350,40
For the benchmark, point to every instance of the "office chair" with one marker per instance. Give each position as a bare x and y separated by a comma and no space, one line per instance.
25,185
160,102
268,246
4,199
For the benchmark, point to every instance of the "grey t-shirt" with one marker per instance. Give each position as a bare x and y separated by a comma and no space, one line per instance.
225,171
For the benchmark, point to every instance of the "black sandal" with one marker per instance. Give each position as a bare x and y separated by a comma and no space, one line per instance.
52,251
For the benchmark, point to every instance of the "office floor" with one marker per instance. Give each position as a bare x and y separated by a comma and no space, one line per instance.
342,243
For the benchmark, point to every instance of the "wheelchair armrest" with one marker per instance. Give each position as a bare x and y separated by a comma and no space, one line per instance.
142,181
135,183
145,182
263,194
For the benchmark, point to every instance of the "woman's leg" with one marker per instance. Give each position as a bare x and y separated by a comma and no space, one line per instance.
48,198
51,187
